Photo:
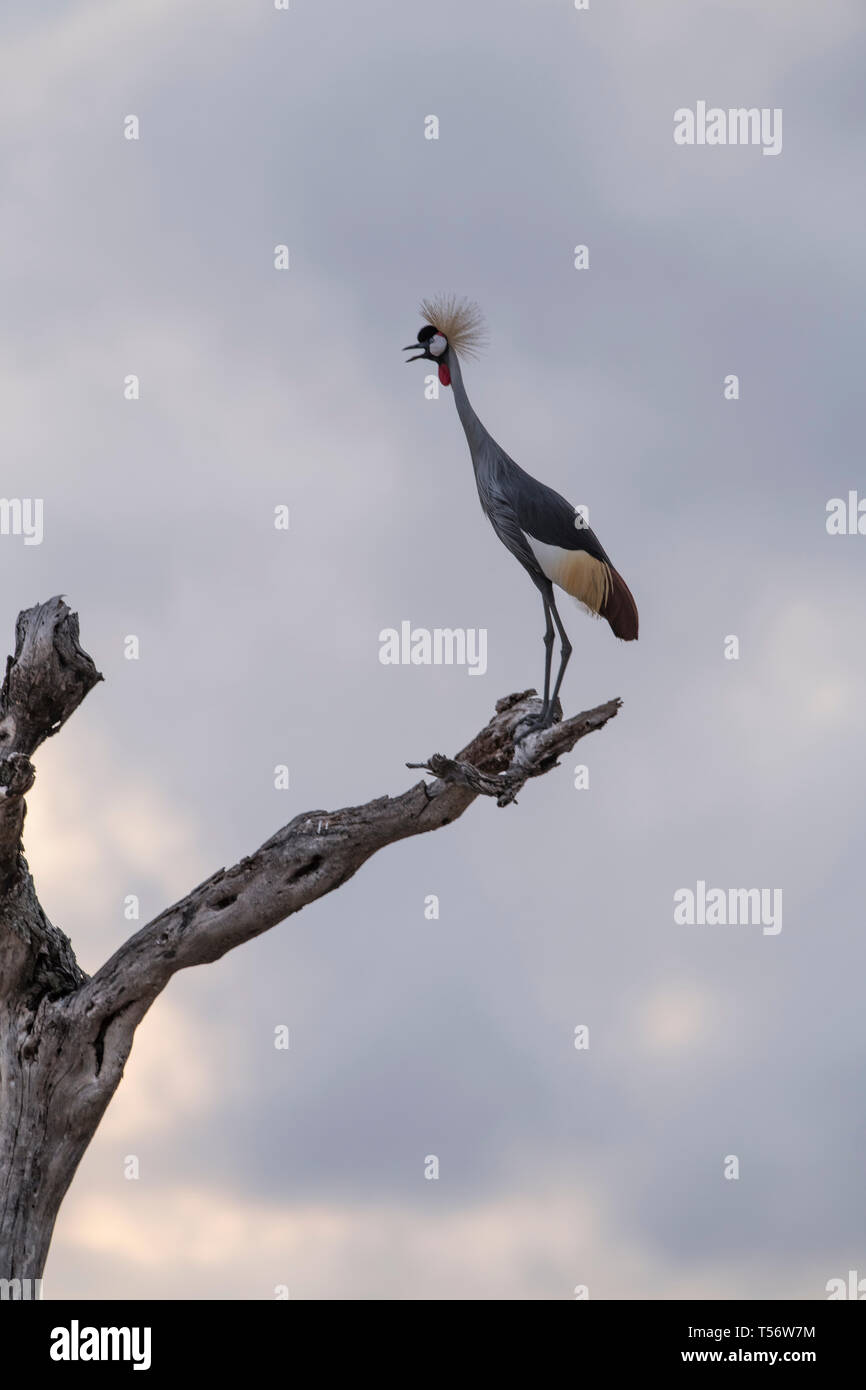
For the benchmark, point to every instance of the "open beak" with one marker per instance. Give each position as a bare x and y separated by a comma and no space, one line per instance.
418,355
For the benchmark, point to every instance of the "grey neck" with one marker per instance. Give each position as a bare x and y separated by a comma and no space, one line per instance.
475,432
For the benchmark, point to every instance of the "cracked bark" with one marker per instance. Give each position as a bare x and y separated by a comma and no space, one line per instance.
65,1037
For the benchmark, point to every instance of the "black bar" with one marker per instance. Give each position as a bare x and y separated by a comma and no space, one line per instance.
222,1338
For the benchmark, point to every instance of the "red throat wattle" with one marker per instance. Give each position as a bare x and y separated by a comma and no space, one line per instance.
444,374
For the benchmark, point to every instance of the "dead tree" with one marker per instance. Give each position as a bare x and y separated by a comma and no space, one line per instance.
65,1037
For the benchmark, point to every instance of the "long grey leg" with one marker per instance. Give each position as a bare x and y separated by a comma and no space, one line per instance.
565,651
548,654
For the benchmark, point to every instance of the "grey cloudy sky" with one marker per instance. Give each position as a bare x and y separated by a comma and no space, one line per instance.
258,647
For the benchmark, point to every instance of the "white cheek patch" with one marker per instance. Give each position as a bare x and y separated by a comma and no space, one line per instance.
437,344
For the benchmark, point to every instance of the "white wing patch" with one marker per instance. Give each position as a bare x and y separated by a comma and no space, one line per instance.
575,571
549,557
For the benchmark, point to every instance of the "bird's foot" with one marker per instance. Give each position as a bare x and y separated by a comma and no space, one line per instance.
534,723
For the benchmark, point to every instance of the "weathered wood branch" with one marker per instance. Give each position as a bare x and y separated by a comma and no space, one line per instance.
46,680
65,1038
319,850
529,757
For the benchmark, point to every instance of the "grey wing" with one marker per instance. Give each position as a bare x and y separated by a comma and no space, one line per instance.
547,516
500,513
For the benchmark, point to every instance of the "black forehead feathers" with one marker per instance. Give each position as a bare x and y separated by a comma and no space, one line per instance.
426,334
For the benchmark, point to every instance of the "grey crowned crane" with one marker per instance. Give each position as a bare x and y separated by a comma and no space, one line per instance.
543,531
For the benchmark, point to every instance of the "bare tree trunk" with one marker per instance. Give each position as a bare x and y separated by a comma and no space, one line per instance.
65,1037
43,1129
49,1111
